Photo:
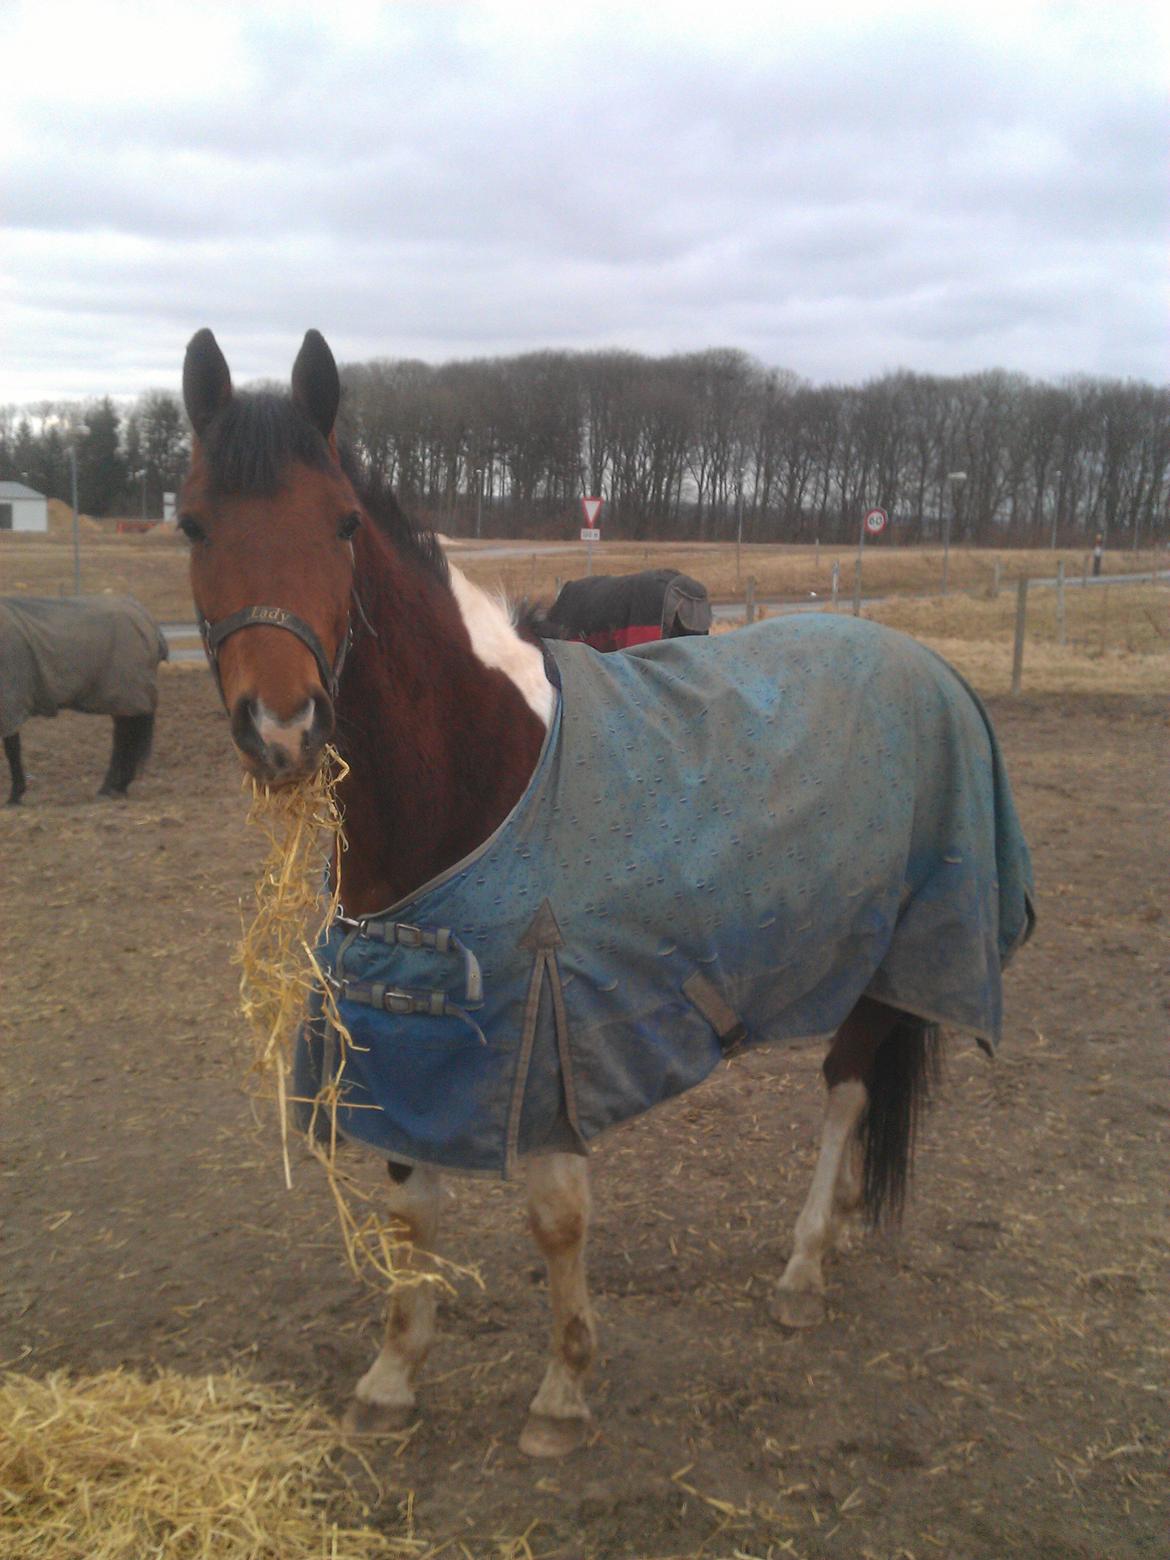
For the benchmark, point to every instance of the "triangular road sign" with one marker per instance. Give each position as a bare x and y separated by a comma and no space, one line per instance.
592,508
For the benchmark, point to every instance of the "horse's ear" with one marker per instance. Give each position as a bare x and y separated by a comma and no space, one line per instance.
316,388
207,382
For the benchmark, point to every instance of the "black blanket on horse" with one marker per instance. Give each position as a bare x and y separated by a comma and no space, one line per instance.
96,654
616,611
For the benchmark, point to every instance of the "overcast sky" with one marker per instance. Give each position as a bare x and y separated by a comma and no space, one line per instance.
837,188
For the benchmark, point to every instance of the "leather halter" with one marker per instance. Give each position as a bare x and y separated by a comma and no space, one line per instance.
214,634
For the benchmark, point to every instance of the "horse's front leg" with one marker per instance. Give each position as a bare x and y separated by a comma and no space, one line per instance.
558,1212
384,1399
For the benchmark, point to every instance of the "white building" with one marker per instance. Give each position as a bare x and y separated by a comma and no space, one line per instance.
22,509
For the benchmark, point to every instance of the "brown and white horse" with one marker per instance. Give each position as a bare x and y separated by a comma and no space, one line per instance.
440,706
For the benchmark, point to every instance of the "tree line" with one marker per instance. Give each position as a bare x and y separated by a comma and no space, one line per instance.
126,459
691,446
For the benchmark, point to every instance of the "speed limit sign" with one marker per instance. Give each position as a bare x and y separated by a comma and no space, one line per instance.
875,521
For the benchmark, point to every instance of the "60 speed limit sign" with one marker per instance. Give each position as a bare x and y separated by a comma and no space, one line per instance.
875,521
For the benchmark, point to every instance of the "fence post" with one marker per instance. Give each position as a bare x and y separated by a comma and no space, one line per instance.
857,588
836,580
1021,619
1060,603
750,600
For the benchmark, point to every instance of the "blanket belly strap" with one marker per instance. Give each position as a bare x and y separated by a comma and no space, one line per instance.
727,1024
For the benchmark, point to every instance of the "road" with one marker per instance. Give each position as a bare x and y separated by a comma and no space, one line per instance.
183,638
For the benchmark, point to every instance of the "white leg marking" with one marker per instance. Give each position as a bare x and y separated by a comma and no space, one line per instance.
387,1388
798,1300
496,642
558,1212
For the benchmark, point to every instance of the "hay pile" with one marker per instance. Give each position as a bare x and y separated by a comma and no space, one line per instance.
60,516
113,1467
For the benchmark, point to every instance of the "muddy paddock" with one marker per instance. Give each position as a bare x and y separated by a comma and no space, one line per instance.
991,1380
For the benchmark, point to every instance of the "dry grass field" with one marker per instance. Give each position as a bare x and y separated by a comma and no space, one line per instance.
153,567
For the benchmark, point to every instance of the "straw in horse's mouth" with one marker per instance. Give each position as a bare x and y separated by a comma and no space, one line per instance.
276,777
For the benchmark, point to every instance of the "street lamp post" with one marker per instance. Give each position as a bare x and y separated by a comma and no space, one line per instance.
76,524
956,479
1056,477
478,501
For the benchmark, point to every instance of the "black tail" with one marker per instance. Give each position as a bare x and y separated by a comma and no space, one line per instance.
906,1072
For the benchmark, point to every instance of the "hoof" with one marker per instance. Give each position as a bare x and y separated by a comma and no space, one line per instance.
797,1307
544,1436
362,1418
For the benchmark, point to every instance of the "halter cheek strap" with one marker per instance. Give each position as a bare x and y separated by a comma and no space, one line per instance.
214,634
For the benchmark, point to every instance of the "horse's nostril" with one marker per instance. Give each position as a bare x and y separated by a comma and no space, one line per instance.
323,723
245,734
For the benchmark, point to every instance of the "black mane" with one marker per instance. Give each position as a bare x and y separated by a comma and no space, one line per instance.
251,443
379,502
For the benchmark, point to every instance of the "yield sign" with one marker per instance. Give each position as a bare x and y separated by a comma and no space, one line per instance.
592,508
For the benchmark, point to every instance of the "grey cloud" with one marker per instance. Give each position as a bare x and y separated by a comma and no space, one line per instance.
835,204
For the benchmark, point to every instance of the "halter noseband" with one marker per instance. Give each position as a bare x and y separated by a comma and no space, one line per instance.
214,634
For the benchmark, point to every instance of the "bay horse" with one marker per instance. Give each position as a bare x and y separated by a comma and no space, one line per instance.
95,654
327,615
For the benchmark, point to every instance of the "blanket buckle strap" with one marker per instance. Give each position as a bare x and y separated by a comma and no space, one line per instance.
402,934
404,1002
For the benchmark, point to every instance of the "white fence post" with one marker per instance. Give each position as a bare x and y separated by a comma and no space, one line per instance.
1021,619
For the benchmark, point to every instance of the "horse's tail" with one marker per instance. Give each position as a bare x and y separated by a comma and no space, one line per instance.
906,1072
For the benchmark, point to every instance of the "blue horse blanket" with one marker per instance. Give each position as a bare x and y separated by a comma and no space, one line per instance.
725,841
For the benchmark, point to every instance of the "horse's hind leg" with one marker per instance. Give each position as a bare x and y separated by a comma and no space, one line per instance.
558,1212
133,735
799,1297
384,1399
15,769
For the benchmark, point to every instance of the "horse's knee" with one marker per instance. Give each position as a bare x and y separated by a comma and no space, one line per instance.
414,1201
558,1204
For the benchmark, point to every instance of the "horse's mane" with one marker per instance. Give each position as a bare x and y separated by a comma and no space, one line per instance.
251,443
382,506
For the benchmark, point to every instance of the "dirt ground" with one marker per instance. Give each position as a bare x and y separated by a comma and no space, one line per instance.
992,1380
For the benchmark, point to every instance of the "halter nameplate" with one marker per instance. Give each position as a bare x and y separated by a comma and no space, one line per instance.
214,634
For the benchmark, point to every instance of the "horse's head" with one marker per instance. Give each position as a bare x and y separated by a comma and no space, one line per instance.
270,517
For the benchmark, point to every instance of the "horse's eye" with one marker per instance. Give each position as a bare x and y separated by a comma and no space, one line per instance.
349,526
191,529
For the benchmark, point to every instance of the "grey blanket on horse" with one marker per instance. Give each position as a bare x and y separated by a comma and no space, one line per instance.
726,840
96,654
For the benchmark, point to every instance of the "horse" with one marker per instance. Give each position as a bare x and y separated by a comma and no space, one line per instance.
96,654
616,611
855,837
